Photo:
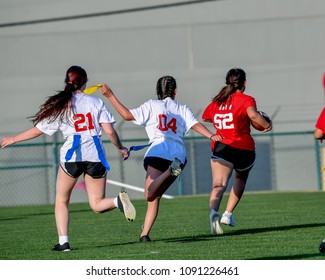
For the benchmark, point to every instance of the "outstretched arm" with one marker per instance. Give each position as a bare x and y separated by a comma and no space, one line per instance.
120,108
203,130
23,136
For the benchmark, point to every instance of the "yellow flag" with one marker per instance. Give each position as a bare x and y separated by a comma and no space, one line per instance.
92,89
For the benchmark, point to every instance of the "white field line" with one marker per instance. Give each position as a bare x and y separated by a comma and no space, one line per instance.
130,187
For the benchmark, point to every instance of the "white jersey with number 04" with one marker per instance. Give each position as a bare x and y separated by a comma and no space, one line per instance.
166,123
89,112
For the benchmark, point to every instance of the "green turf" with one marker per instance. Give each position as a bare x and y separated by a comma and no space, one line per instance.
270,226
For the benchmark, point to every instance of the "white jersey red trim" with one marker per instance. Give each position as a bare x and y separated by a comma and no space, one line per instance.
89,113
166,122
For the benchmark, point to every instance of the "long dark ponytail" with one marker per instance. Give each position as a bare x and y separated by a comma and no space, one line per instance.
235,80
60,104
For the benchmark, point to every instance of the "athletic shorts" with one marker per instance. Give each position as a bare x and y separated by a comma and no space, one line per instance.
95,170
243,160
158,163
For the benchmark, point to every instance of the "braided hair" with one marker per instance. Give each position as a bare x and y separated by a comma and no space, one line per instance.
235,80
60,104
166,87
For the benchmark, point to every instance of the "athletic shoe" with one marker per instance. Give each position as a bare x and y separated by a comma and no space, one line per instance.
126,207
145,238
62,248
215,225
228,219
175,167
322,247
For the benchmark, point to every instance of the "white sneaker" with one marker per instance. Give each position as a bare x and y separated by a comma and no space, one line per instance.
228,219
126,207
175,167
215,225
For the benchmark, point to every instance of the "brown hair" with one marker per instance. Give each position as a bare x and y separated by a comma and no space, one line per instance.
235,80
60,104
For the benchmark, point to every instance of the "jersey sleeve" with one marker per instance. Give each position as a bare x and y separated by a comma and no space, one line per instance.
320,124
142,113
207,113
250,102
190,119
105,116
48,128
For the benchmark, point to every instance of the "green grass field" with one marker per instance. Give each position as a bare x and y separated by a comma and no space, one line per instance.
270,226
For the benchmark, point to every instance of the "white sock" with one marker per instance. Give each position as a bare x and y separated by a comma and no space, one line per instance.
63,239
115,202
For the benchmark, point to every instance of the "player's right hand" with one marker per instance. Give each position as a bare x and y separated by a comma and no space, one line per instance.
106,91
6,141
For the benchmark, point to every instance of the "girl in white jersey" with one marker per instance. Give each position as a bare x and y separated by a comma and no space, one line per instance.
80,118
166,122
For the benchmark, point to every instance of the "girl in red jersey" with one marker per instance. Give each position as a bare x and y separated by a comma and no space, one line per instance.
319,134
231,112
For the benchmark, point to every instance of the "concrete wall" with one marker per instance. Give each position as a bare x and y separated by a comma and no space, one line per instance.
279,43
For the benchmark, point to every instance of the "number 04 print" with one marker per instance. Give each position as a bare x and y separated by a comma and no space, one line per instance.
165,124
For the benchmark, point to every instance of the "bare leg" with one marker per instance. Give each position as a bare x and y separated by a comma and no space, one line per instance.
151,215
156,184
221,172
237,191
64,187
96,195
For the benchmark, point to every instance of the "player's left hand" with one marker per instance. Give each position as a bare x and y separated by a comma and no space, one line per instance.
125,153
216,138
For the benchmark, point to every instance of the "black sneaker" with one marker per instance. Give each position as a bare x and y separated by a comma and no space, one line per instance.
62,248
322,247
145,238
126,207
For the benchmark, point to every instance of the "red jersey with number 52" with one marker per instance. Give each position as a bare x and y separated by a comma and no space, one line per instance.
231,120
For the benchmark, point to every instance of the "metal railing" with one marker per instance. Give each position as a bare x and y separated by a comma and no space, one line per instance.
285,161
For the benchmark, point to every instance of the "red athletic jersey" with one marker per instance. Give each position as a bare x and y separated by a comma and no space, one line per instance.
320,124
231,121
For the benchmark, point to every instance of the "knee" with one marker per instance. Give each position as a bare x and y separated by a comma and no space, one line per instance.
219,186
219,189
96,211
149,197
94,207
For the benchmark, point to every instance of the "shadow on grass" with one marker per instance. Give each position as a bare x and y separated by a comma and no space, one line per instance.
40,214
270,229
242,232
207,237
291,257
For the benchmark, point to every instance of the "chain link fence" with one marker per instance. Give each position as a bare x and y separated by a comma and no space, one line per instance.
284,162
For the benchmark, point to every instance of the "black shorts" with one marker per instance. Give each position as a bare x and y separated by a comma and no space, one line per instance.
95,170
243,160
158,163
